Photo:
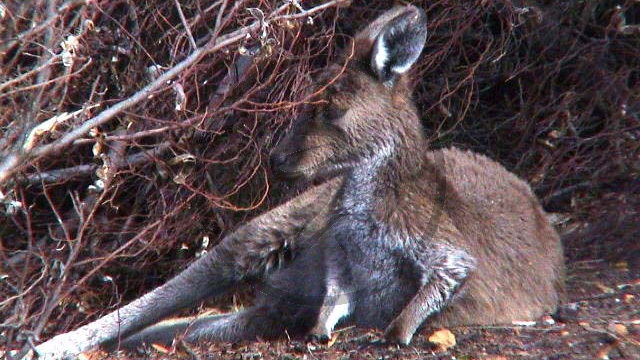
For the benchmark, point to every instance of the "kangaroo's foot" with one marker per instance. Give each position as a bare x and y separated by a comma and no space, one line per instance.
318,338
397,333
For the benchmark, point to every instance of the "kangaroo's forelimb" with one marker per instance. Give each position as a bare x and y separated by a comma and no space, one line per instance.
249,253
448,270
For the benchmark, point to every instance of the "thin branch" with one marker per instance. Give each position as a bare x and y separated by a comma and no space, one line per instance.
186,25
133,136
218,26
29,73
47,82
42,26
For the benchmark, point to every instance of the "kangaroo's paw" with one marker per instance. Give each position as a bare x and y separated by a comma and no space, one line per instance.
318,338
397,334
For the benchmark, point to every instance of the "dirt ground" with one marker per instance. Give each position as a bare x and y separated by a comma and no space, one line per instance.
600,321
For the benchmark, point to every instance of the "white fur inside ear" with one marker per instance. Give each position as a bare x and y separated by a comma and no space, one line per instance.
381,55
404,67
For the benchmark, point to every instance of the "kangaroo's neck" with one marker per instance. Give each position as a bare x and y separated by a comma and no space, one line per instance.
376,181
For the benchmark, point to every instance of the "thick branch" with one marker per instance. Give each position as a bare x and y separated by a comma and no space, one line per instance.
136,159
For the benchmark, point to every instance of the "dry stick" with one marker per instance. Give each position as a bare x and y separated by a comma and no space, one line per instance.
218,25
135,135
29,73
40,85
45,75
19,158
66,173
186,26
194,21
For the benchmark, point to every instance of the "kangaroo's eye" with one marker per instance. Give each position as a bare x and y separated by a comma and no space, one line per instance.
331,112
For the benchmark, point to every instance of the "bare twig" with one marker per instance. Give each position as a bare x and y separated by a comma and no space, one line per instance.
41,85
57,175
186,25
34,71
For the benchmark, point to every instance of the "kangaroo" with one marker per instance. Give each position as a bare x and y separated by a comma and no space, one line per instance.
401,236
447,235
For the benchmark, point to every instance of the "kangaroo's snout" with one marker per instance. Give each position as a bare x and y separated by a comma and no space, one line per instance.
277,161
281,165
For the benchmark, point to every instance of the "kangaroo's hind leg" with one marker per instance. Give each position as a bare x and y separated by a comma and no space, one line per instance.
256,322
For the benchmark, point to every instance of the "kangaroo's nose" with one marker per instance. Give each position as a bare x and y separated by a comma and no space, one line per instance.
277,161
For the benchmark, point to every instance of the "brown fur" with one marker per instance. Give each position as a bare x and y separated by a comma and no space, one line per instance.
516,278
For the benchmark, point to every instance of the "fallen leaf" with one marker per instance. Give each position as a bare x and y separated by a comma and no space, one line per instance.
617,328
605,289
584,323
161,349
84,356
92,355
333,339
628,298
495,357
444,339
621,265
548,320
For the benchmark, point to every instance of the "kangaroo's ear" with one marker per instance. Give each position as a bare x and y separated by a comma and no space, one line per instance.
399,43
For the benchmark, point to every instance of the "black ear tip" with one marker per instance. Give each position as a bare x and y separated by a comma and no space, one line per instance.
417,17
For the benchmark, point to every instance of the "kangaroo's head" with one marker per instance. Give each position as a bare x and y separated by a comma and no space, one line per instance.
361,109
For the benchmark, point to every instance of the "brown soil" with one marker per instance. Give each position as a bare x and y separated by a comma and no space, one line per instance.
600,321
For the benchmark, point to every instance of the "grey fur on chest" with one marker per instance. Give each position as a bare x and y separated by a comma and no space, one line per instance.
370,267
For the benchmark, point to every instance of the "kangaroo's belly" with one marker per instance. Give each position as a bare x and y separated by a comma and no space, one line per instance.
381,297
377,277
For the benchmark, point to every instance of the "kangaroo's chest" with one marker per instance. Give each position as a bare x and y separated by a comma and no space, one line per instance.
372,267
